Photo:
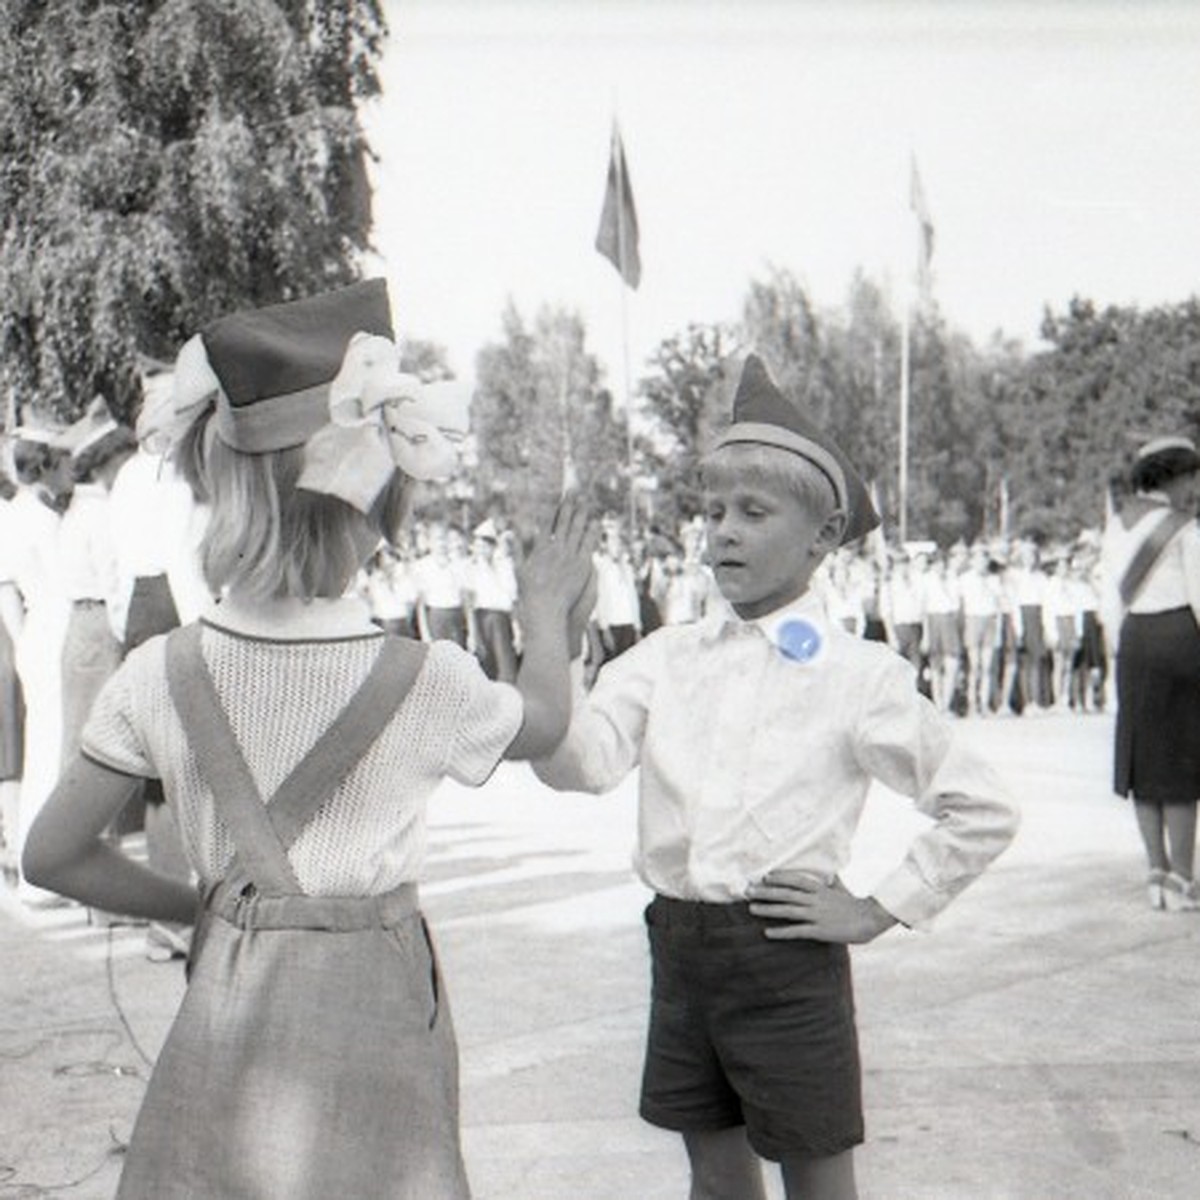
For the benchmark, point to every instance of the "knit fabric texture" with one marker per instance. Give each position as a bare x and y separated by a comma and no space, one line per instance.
280,696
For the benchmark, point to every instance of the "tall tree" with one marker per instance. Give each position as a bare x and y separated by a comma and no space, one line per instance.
540,403
863,369
1108,379
166,161
684,399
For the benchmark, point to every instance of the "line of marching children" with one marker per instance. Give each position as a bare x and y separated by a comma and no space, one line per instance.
994,627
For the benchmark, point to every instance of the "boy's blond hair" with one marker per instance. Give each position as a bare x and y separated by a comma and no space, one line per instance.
751,462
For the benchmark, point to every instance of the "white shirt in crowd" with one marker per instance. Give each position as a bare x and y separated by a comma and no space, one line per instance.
390,590
156,527
492,583
904,600
941,592
439,581
85,546
616,592
979,593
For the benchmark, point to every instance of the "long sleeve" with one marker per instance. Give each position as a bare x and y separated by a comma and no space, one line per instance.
908,746
604,740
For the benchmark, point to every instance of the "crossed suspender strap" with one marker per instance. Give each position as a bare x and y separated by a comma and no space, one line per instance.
1148,552
262,832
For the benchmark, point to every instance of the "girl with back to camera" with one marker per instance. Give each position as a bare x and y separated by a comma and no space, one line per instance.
313,1054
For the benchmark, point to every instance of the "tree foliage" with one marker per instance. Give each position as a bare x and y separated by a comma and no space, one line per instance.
1051,430
165,161
1108,380
540,401
683,402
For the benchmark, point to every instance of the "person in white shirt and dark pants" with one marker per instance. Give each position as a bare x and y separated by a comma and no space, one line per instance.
757,732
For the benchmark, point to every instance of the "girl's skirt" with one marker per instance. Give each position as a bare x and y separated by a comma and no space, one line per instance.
313,1057
1157,756
12,714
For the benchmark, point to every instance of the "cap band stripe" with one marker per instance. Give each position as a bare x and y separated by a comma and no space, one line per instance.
1159,445
274,424
759,433
101,431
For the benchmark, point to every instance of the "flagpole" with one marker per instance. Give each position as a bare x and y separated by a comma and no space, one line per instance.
621,284
910,305
903,488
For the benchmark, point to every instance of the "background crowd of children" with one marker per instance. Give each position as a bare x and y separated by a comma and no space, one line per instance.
995,627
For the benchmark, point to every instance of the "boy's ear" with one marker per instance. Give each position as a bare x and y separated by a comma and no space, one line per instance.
829,536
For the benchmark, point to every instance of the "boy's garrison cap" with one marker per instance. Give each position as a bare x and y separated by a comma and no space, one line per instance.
275,364
763,415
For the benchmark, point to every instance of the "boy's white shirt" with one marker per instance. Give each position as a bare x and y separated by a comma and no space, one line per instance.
751,760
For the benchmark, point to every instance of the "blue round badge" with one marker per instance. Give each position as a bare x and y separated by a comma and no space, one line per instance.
798,640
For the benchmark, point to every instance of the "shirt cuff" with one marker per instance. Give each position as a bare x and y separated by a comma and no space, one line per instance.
910,899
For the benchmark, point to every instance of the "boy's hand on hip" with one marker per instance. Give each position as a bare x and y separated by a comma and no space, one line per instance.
802,905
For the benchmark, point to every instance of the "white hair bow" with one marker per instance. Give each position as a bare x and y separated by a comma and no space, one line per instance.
382,419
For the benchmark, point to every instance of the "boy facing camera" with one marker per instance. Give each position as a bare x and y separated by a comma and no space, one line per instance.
758,731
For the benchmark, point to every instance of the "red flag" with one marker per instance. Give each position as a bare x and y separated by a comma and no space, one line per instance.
916,201
617,237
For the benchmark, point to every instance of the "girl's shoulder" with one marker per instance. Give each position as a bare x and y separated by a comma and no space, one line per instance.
448,664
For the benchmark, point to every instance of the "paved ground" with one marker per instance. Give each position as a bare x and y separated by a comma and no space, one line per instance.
1042,1043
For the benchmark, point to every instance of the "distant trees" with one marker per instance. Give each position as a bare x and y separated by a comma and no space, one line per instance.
161,163
1051,430
540,413
1107,380
682,402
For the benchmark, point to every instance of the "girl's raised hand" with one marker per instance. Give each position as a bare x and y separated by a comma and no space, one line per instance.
553,582
558,569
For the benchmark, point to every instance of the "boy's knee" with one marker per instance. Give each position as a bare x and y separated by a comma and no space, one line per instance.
724,1167
830,1177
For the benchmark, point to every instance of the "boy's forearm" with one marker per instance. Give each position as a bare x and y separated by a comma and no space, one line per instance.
543,681
876,918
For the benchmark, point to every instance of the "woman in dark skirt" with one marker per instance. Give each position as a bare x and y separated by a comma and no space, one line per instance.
1151,561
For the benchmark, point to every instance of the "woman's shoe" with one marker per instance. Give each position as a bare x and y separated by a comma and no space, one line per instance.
1154,888
1179,894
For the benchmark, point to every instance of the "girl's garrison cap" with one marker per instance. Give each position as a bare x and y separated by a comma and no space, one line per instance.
275,364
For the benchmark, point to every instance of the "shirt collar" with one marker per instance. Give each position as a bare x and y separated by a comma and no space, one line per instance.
798,629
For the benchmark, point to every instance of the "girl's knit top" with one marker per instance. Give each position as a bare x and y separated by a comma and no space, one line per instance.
280,696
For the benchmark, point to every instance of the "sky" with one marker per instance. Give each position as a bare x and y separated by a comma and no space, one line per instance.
1058,145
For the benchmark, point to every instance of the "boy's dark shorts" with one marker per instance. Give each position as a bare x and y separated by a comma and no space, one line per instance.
749,1031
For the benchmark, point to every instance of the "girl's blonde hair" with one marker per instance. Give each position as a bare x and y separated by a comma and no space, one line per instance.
268,539
753,462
